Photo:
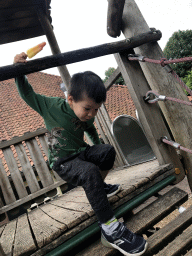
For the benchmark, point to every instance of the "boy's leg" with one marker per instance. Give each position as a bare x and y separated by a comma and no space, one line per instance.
104,174
103,156
86,174
114,234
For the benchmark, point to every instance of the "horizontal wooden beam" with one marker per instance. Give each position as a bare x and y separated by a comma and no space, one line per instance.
32,66
26,136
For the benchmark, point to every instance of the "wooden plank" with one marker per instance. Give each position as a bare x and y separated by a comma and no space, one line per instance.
113,77
48,30
44,144
171,230
64,237
148,217
6,186
129,177
139,190
7,237
41,167
77,196
26,136
27,168
162,82
121,159
11,71
74,206
15,173
31,196
179,244
149,116
74,200
24,243
62,214
45,228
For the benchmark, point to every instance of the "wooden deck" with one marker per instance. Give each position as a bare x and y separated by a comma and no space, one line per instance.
43,229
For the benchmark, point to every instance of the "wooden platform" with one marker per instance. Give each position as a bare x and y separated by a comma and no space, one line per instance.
173,239
43,229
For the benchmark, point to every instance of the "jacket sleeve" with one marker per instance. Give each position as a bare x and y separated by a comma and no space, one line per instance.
93,135
36,101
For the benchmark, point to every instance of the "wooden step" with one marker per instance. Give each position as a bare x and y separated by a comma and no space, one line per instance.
179,230
143,220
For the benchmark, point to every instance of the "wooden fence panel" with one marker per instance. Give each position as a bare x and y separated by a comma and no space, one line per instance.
44,144
41,166
27,168
6,186
15,173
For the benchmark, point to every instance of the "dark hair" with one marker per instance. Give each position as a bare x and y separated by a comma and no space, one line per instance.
87,83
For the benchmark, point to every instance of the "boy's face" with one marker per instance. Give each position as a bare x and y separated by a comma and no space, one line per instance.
84,109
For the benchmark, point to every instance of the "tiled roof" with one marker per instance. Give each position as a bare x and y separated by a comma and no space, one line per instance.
119,102
17,118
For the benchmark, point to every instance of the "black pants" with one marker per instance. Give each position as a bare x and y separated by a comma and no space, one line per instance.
83,170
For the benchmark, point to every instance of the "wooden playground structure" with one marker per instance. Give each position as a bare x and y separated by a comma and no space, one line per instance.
39,215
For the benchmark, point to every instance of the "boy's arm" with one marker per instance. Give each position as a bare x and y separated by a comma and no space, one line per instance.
27,93
34,100
93,135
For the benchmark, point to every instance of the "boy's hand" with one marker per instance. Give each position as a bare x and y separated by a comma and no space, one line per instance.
20,58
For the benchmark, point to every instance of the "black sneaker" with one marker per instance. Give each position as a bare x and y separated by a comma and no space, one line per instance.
111,190
125,241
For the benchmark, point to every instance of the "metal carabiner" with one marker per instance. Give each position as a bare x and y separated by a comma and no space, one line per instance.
156,95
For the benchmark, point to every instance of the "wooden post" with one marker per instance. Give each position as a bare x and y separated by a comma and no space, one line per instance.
64,73
114,17
178,116
149,115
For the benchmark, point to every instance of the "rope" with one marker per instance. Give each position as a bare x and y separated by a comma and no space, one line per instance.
175,145
164,63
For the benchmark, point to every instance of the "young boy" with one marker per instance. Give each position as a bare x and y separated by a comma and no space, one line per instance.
75,161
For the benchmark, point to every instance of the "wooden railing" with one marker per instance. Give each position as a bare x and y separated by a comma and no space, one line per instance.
25,175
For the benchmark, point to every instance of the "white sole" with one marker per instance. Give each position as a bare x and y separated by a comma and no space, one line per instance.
115,192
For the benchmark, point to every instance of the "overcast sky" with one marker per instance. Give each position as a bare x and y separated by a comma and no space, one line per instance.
80,24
